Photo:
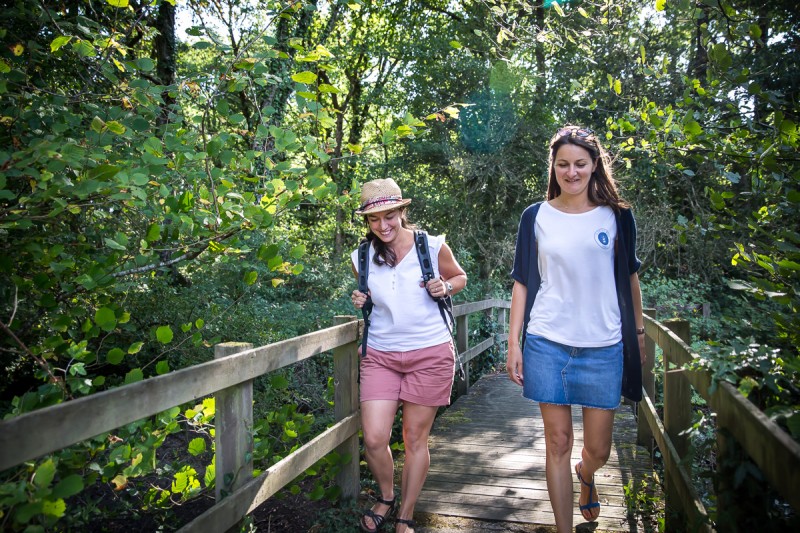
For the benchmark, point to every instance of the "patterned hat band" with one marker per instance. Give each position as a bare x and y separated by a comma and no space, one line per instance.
380,201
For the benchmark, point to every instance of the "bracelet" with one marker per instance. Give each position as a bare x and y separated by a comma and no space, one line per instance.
640,331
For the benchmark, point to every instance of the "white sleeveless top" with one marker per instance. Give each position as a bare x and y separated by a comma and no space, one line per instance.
576,303
405,317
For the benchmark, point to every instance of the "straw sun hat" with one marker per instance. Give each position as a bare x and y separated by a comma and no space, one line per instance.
381,195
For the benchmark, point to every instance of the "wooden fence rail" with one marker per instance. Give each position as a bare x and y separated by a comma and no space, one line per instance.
229,377
769,446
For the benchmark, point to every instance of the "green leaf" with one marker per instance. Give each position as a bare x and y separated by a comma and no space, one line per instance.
164,334
114,245
54,508
660,5
278,382
325,88
618,86
98,125
153,233
69,486
44,474
133,376
250,277
115,127
197,446
135,347
298,251
115,356
304,77
162,367
118,3
58,42
104,317
457,45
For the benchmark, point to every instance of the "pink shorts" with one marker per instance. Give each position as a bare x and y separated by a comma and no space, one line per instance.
423,376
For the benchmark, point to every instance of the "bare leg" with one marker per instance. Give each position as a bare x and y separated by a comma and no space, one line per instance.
598,425
377,417
417,423
558,442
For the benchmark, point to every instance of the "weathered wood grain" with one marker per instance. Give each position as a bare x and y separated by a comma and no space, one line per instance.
487,460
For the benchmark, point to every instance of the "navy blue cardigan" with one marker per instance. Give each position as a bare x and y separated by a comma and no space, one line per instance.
526,271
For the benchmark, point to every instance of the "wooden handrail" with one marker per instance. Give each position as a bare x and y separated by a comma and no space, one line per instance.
769,446
53,428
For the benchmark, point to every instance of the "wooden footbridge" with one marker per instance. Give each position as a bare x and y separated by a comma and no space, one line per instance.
488,461
487,449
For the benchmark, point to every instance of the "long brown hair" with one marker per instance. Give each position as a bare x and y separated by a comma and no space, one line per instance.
383,254
602,186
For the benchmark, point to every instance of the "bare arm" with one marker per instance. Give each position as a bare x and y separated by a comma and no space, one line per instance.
515,321
449,272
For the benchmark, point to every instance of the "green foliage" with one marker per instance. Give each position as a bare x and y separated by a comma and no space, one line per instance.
645,503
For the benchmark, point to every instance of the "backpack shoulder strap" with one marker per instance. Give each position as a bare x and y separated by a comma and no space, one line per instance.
423,254
363,276
363,265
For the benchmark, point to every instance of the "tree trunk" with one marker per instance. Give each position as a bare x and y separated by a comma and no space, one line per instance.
166,58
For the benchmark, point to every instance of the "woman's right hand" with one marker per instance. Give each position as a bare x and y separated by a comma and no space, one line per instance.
514,364
359,299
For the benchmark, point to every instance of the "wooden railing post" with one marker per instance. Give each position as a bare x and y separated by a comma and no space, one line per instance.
462,343
677,415
502,319
233,428
345,403
644,437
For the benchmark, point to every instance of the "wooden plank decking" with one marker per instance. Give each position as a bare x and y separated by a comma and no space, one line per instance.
487,461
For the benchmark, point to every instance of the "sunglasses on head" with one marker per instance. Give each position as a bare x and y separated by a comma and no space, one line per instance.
576,131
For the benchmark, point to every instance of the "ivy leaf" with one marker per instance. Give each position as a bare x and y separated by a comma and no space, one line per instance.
164,334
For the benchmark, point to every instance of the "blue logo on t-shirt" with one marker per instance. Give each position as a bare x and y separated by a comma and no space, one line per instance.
601,236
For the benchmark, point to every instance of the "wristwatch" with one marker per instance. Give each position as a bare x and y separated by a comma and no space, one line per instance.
448,286
640,331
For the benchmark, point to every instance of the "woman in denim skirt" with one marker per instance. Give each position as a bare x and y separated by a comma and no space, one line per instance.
576,334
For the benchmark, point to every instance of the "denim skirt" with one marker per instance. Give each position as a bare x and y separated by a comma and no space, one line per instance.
564,375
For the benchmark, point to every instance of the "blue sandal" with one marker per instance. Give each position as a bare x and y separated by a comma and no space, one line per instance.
592,490
377,519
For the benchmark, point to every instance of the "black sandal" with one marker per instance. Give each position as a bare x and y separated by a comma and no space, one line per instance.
377,519
408,522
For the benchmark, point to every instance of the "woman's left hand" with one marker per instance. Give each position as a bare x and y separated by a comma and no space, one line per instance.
436,287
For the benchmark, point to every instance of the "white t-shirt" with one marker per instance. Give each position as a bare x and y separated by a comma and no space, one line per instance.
576,303
405,317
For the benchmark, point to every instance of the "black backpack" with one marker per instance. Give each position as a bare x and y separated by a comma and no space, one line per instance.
423,254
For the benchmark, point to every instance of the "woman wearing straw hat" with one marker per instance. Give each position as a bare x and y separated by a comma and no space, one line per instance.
410,357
